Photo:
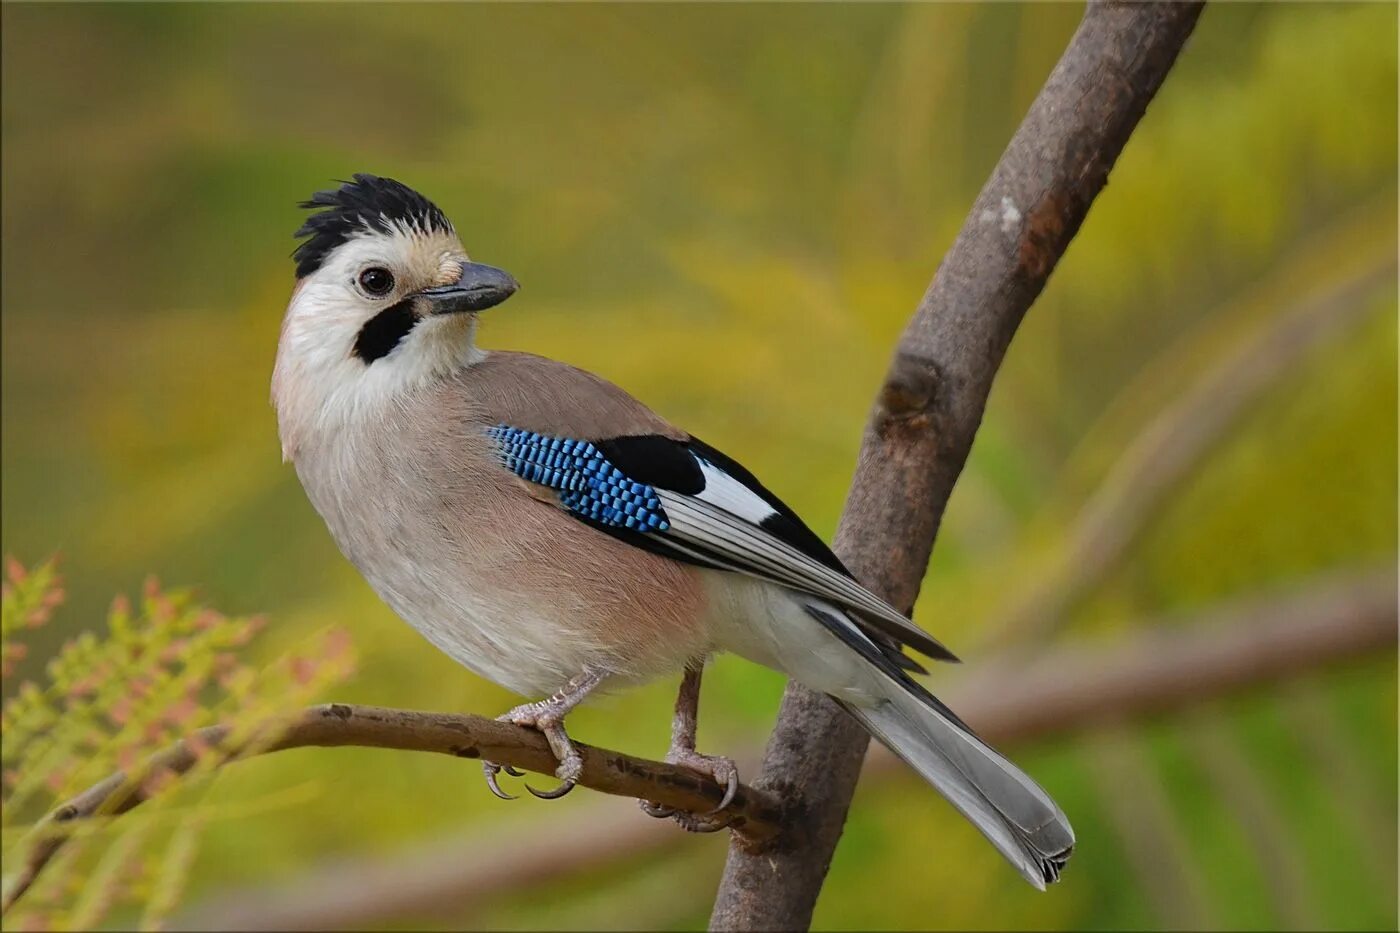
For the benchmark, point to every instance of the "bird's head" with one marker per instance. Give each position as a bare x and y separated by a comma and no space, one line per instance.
385,301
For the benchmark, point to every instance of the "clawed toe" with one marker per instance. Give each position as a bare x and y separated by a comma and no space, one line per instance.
555,794
568,773
658,810
492,782
683,753
540,716
492,769
690,822
722,770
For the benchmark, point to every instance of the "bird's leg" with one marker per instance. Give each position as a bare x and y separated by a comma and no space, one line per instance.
547,716
682,752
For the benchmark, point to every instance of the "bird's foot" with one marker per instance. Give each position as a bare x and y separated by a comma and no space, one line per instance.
547,717
724,773
690,822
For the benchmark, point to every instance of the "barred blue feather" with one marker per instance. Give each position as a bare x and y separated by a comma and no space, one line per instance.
589,484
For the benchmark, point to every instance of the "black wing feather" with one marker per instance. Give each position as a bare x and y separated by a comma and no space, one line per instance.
671,465
785,525
655,460
652,492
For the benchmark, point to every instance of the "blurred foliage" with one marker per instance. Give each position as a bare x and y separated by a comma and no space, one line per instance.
731,211
159,673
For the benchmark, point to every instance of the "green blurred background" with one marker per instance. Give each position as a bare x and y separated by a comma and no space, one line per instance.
731,211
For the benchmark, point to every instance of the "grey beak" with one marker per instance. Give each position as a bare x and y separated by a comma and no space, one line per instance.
479,288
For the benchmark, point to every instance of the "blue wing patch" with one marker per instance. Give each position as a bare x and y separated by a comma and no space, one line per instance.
589,485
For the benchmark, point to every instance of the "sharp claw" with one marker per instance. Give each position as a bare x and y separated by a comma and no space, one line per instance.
547,718
730,790
495,788
658,810
555,794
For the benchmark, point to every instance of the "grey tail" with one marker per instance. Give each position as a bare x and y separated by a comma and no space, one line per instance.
998,798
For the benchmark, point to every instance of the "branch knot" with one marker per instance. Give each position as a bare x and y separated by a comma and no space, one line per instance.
910,392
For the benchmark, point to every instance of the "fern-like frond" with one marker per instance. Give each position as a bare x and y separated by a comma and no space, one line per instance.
163,668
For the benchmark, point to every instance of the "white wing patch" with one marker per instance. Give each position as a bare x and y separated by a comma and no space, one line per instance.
749,549
727,493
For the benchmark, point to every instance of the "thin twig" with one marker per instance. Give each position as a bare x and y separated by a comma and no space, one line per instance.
752,813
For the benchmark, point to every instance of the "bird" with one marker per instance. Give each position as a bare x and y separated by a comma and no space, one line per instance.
554,535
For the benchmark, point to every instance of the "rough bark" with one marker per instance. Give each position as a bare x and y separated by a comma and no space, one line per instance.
928,410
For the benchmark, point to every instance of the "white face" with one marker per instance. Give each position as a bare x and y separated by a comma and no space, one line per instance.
355,337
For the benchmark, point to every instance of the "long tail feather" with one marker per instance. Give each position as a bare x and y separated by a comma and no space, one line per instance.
998,798
868,677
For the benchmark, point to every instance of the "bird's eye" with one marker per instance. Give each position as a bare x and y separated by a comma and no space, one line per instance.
377,281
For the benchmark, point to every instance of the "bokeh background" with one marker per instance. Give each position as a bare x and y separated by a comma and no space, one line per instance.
731,211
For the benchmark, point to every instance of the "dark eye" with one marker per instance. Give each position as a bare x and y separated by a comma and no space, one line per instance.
377,281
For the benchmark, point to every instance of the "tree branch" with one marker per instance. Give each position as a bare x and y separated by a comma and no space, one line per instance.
928,410
1345,616
1161,667
756,814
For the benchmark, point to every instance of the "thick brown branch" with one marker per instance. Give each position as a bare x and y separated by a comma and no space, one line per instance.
755,813
1163,670
927,413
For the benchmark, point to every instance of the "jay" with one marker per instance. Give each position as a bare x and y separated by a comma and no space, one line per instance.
554,535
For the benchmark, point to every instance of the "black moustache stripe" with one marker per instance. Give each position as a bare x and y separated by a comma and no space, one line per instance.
383,332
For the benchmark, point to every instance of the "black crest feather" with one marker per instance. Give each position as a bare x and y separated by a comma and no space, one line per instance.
369,203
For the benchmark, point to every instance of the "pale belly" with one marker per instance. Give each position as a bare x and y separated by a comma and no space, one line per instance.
512,588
